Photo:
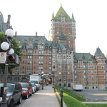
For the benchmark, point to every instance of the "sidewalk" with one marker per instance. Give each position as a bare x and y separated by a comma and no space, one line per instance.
42,98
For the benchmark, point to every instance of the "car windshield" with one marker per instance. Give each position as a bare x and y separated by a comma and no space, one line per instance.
1,85
24,85
10,87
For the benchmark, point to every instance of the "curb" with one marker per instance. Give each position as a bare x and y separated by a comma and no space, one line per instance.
59,98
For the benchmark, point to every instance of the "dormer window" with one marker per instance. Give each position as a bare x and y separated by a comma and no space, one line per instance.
62,19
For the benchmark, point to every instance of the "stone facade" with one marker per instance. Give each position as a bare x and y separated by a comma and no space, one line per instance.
41,55
89,70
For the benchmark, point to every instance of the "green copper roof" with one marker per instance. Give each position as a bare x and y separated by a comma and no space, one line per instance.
23,38
85,57
62,13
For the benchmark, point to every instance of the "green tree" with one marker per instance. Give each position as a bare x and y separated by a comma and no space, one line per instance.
2,36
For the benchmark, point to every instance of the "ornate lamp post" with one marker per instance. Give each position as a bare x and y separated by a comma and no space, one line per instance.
7,50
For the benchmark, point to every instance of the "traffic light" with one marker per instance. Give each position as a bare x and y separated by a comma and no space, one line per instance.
11,59
14,59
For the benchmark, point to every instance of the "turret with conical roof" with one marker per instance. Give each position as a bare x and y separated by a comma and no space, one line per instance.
73,18
61,13
99,54
4,25
100,64
63,24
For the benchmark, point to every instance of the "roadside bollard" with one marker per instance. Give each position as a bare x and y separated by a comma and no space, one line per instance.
61,95
42,86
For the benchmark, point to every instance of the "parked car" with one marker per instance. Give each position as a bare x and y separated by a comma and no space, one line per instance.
27,89
36,83
34,87
14,94
78,87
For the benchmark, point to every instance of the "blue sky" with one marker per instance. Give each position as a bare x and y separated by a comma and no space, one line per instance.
30,16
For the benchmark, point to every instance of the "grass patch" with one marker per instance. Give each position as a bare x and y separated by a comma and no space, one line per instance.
72,102
75,95
73,99
72,93
96,105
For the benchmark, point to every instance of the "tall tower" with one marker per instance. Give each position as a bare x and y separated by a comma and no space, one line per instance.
4,25
63,29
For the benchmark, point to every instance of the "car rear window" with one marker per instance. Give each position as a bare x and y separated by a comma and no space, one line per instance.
35,82
24,85
1,84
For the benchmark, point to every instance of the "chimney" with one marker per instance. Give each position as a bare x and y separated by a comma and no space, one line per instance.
8,20
15,33
36,33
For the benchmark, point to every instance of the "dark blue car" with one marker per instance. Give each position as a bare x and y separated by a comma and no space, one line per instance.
14,94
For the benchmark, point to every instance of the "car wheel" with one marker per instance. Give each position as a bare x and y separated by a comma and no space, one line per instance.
11,104
33,91
20,100
27,96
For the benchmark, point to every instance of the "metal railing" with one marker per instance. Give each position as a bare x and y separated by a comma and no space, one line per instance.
14,78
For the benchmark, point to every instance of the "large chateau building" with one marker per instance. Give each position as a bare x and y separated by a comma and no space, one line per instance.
58,57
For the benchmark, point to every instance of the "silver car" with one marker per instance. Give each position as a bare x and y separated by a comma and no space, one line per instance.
34,87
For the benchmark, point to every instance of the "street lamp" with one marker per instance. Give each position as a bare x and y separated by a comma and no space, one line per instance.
4,46
7,50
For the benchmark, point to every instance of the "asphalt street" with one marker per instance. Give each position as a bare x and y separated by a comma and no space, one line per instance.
94,95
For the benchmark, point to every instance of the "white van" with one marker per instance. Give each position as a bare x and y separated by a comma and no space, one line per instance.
78,87
36,79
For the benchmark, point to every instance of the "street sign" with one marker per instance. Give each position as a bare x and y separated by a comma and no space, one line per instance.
3,57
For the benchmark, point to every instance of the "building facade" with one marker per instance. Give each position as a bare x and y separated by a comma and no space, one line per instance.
41,55
90,70
58,57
